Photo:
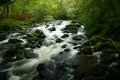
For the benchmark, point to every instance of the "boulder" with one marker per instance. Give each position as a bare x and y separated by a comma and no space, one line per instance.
77,38
86,50
39,34
65,36
2,37
58,40
52,29
30,55
66,50
64,46
61,66
72,28
14,41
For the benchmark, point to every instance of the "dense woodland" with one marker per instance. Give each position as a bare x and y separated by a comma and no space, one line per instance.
101,19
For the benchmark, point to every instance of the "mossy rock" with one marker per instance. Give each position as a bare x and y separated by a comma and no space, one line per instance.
108,58
59,40
98,46
52,29
61,66
98,70
87,59
15,51
77,38
39,34
30,55
72,28
14,41
114,73
65,36
79,72
2,37
64,46
97,38
86,50
66,50
41,67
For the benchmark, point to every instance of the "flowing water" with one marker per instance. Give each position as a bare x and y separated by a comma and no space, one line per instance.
50,53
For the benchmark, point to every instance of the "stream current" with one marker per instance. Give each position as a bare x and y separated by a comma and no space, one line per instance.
50,54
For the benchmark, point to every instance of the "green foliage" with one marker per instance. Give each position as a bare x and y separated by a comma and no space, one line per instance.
100,17
9,24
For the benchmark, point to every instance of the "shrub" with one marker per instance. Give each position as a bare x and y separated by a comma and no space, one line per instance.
9,24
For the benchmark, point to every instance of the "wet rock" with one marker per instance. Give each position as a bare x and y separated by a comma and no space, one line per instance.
20,56
14,41
66,50
2,37
72,28
59,40
29,35
40,69
52,29
65,36
86,50
61,52
11,52
30,55
14,52
61,66
64,46
38,45
108,56
3,75
32,46
39,34
77,47
114,72
78,73
77,38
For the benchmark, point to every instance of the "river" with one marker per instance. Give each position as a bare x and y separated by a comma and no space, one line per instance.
56,58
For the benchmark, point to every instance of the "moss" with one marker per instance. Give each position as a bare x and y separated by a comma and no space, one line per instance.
86,50
108,57
59,40
72,28
77,38
98,46
39,34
